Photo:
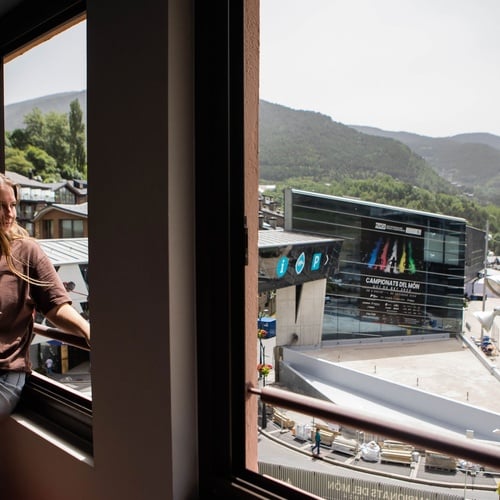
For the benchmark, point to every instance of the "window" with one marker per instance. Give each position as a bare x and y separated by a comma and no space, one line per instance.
64,195
310,61
223,365
70,228
45,399
48,228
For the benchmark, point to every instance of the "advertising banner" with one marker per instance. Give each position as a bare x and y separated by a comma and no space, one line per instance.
392,282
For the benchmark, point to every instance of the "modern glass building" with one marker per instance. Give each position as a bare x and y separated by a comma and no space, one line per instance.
400,271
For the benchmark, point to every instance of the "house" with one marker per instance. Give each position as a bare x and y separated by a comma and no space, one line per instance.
70,191
62,220
33,196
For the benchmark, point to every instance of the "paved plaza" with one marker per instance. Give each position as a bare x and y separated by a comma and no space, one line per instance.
454,368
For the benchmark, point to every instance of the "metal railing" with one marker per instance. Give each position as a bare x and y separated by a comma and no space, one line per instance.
473,450
64,337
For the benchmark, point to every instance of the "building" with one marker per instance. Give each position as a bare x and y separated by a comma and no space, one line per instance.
62,221
72,192
401,272
36,197
293,269
33,196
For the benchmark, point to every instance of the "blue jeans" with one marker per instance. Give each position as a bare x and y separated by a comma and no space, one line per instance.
11,385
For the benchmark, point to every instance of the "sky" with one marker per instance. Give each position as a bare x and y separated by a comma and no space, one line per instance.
429,67
57,65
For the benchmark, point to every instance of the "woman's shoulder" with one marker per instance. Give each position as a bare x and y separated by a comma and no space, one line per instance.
26,246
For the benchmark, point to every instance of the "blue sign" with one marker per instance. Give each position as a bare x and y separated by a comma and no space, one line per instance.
296,264
300,264
282,267
316,261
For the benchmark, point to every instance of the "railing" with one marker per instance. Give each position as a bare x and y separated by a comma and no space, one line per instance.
64,337
473,450
469,449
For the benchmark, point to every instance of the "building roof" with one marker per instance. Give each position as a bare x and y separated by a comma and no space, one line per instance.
76,186
278,238
66,250
22,180
357,201
80,209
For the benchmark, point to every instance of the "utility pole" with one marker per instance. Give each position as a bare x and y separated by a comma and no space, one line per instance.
485,270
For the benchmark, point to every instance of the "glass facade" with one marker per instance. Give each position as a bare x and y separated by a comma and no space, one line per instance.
400,272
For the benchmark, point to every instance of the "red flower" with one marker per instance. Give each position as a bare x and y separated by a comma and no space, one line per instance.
261,334
264,369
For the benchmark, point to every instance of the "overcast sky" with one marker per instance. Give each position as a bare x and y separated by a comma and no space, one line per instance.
430,67
58,65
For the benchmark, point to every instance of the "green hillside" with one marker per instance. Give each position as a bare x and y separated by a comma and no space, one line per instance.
304,143
470,161
310,151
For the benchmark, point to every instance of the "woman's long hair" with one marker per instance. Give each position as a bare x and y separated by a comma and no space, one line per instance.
16,232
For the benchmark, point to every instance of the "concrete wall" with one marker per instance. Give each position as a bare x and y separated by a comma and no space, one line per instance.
299,314
431,409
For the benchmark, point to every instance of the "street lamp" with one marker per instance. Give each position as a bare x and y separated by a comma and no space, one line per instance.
468,470
263,367
486,318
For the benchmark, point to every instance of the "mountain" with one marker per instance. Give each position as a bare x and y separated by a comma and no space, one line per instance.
470,160
299,143
295,143
58,103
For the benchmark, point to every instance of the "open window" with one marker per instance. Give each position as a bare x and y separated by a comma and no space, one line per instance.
44,141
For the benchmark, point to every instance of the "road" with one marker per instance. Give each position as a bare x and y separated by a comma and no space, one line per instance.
273,452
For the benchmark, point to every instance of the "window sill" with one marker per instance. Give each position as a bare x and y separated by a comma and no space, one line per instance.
53,438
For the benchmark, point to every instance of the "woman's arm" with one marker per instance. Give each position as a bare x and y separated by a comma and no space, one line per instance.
66,318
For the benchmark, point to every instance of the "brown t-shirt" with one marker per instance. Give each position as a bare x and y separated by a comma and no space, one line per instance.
18,300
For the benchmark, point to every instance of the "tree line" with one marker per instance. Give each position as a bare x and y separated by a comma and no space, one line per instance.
50,147
385,189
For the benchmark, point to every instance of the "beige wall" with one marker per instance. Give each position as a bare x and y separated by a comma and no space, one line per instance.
302,317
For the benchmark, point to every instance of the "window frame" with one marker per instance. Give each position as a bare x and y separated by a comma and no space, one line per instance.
73,230
223,236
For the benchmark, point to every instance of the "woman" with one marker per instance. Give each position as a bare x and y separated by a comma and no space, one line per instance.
28,281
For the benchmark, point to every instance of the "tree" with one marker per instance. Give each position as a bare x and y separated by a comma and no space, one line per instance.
18,138
16,161
53,143
35,128
77,154
45,167
56,142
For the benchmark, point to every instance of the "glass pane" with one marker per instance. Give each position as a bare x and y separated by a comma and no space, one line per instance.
366,235
45,124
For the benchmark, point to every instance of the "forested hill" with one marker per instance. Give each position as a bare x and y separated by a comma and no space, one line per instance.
471,160
309,144
296,143
57,103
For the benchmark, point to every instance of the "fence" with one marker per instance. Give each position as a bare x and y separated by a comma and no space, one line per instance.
347,488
